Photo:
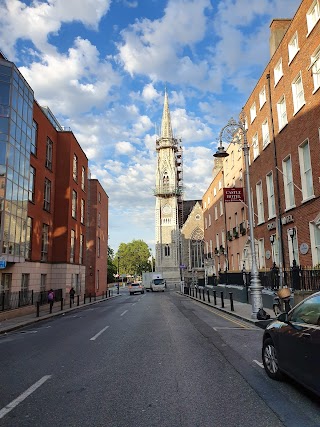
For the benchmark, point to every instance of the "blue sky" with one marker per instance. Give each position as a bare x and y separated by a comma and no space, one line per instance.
102,66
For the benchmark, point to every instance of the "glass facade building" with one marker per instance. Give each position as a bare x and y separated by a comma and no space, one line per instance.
16,121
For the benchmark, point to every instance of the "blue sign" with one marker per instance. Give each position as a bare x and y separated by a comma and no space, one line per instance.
3,263
183,266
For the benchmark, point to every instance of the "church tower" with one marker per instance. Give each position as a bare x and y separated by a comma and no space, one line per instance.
169,202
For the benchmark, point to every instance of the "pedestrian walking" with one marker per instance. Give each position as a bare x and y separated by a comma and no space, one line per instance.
51,297
72,294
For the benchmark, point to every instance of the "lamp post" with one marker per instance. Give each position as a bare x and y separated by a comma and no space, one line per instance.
292,233
118,275
235,128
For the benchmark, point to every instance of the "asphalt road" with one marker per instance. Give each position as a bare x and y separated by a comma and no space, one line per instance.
158,359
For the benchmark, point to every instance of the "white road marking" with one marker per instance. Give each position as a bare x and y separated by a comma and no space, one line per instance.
123,313
99,333
4,411
239,328
259,363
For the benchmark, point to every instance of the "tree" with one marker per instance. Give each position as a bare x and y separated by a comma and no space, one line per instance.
133,258
112,268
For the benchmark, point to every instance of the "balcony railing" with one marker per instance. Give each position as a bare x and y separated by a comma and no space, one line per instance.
167,191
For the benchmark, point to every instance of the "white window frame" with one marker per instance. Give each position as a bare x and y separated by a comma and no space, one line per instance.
315,242
293,46
278,72
214,192
295,247
315,69
221,207
74,203
298,93
72,245
282,112
253,112
260,205
265,133
209,219
262,97
313,16
306,171
255,145
220,184
206,223
261,253
288,183
216,212
271,196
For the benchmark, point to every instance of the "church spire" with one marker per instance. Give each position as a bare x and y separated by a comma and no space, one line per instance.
166,130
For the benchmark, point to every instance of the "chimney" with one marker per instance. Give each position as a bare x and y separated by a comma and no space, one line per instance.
278,28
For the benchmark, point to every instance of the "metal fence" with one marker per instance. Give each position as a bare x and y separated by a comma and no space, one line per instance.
12,300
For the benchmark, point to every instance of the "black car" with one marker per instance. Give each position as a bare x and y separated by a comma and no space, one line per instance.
291,344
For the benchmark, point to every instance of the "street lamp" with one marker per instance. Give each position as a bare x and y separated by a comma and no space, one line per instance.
292,233
118,275
235,128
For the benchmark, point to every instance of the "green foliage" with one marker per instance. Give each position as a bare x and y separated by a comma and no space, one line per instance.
112,268
133,258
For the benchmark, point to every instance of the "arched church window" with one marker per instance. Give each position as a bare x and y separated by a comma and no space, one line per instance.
197,248
167,250
165,181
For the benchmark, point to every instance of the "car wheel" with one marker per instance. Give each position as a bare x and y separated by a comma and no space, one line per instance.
270,360
131,293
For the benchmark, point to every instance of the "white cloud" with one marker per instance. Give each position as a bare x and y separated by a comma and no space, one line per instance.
124,148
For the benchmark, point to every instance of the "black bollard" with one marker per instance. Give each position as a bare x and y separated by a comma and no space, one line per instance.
215,297
222,300
78,300
106,294
109,293
32,297
38,308
208,295
231,301
90,297
193,292
203,297
70,302
196,292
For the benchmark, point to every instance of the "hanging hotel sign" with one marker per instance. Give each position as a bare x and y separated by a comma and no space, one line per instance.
233,194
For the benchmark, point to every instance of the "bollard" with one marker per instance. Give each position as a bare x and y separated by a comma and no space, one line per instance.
84,298
3,300
95,296
222,300
78,300
215,297
19,300
231,301
196,292
32,297
203,297
70,302
193,292
208,295
50,306
90,297
61,304
109,293
106,294
38,308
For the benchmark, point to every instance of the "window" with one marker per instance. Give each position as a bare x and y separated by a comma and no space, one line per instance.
72,245
82,206
214,191
232,159
47,195
99,219
83,177
221,207
74,204
293,246
25,278
75,168
271,199
34,137
44,242
265,133
255,145
260,207
167,250
216,212
262,97
293,47
32,183
313,15
297,93
209,219
98,247
282,112
278,73
288,183
220,184
275,250
206,223
98,279
6,281
315,68
253,112
99,196
81,249
43,282
209,200
49,149
29,238
261,253
306,170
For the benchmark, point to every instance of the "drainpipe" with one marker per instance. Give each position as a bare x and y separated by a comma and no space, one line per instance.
279,223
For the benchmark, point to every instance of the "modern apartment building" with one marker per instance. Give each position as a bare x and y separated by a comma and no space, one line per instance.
44,195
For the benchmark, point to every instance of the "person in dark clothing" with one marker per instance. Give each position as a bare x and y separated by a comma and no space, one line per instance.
51,297
72,294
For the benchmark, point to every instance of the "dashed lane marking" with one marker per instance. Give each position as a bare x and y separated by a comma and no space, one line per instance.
259,363
99,333
4,411
122,314
238,328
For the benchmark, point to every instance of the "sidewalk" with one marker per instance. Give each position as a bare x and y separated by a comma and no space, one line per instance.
241,310
14,323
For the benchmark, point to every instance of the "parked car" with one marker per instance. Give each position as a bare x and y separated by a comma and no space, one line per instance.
291,344
136,287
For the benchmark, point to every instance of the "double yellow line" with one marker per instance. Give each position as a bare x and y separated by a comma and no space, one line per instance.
224,316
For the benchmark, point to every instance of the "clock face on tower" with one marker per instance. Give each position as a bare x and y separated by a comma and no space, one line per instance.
166,210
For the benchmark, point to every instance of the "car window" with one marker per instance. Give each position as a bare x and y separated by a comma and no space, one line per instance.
307,312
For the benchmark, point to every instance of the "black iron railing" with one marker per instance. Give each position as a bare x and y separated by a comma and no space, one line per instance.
12,300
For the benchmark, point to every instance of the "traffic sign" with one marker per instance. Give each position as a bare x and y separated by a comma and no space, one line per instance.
3,263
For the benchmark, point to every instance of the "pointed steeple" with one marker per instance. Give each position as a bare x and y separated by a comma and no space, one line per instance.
166,130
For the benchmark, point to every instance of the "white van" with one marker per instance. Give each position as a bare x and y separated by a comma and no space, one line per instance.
158,285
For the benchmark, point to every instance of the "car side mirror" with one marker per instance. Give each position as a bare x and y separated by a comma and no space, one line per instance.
283,317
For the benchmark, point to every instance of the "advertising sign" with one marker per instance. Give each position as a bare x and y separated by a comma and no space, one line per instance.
233,194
